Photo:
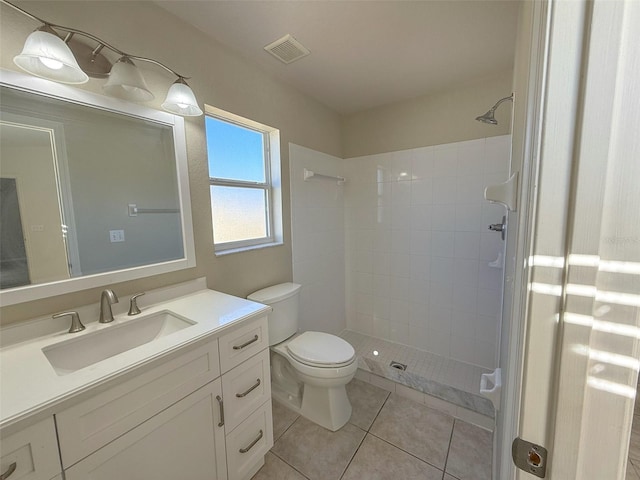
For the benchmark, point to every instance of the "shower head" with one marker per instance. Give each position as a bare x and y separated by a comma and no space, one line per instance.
488,117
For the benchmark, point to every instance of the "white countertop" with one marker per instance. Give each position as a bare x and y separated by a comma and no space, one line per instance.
29,384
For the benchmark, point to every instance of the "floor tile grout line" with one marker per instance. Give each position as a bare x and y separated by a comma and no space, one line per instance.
287,463
354,454
274,443
286,429
408,453
402,449
446,461
380,410
366,432
350,460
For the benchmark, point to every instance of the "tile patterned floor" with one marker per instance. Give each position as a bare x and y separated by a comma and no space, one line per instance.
388,436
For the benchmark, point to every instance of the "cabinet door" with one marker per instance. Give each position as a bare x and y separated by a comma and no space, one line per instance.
184,441
31,453
91,424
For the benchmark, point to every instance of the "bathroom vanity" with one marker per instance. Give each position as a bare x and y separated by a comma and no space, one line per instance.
192,401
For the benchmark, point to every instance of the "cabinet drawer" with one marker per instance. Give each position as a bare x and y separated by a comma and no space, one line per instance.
245,388
249,442
182,442
91,424
34,451
243,343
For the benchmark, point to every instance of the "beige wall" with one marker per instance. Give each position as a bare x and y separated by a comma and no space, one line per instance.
219,78
444,117
225,80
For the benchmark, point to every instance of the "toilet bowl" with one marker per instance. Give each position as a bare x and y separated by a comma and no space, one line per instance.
309,370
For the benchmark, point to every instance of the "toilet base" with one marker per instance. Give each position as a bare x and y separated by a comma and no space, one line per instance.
328,407
292,402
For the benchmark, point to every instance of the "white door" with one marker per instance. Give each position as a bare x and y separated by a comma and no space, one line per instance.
577,287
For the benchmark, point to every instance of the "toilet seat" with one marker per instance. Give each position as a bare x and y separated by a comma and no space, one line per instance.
321,350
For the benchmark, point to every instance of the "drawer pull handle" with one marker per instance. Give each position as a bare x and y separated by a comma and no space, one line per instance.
250,446
221,405
13,466
246,344
244,394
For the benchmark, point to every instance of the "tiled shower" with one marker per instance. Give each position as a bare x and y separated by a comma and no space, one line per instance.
401,251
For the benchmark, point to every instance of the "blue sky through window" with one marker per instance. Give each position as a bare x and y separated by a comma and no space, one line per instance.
234,152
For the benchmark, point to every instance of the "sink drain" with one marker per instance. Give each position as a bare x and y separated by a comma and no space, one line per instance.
398,365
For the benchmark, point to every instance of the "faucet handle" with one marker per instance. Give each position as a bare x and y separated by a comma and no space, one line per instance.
76,324
133,304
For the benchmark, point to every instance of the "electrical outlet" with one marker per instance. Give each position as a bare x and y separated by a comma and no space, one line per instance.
116,236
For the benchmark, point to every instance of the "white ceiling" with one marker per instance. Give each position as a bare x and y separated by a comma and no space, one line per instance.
365,53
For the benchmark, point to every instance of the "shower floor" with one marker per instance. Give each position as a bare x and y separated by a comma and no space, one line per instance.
449,380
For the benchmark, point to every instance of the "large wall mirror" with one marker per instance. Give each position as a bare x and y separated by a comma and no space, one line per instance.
93,190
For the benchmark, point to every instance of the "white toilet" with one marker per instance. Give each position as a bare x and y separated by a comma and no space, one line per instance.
309,370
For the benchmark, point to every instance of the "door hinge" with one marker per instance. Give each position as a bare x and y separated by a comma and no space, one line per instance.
529,457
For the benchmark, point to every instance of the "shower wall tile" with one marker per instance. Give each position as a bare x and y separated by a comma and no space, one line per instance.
319,247
417,249
497,151
422,163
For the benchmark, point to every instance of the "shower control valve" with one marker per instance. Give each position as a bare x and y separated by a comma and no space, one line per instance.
499,227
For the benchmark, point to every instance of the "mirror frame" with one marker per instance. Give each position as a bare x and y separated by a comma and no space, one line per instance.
47,88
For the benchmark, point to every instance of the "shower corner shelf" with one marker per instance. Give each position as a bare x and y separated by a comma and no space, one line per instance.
308,174
504,193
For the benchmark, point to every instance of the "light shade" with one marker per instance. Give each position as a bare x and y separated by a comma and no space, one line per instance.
181,100
126,82
46,55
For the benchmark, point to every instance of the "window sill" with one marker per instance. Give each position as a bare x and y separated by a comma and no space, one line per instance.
229,251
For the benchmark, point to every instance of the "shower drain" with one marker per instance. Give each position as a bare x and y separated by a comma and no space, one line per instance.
398,365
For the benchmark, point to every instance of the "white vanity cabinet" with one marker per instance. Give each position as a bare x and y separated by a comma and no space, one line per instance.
189,404
185,418
246,385
31,453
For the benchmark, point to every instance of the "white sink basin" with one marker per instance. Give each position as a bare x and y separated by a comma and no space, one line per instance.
72,355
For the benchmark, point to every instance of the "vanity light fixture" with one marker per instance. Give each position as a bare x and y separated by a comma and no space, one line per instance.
125,81
46,54
181,100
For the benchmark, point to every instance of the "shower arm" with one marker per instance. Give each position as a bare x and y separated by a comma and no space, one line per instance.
510,97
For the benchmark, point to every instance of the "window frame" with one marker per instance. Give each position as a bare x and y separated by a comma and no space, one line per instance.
271,186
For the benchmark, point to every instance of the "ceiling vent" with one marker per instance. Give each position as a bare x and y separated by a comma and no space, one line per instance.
287,49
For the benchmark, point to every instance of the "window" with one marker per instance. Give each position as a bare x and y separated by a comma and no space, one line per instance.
244,178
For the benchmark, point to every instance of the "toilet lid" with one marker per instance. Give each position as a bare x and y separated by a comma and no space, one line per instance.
321,349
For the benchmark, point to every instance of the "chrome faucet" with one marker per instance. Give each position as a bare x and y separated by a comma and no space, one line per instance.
107,298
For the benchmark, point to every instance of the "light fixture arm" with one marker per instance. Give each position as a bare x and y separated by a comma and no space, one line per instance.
101,43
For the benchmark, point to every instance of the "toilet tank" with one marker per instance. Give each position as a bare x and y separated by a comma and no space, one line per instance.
284,299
